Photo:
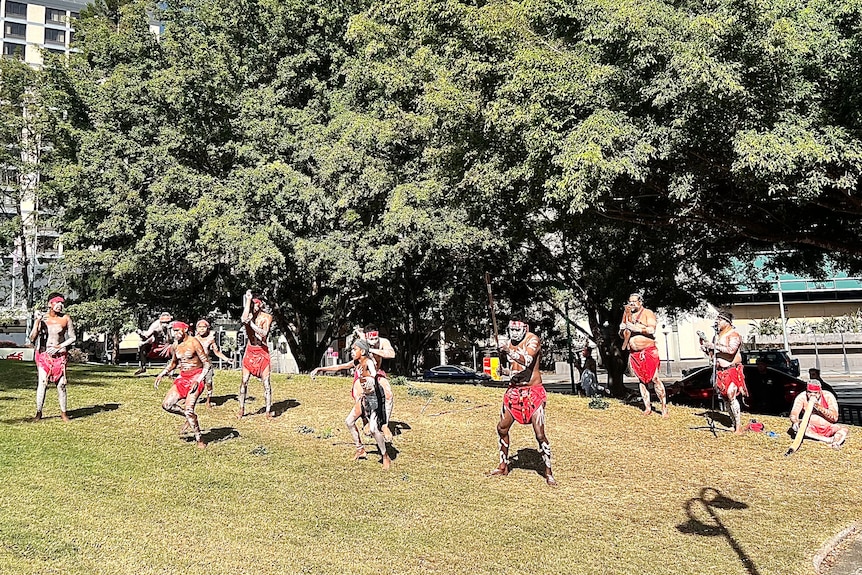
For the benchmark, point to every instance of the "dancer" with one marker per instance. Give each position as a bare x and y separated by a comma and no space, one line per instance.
206,337
194,363
524,401
368,398
823,424
155,342
381,349
255,361
638,332
729,376
52,334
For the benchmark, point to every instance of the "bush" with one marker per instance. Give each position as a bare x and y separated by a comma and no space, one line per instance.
78,356
398,380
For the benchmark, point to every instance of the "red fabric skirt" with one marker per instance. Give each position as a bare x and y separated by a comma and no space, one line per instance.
524,401
53,365
645,363
256,359
185,382
733,374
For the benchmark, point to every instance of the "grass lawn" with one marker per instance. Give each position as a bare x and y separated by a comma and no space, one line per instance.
116,491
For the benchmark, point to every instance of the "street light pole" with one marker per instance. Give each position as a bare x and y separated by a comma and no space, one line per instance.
571,356
666,332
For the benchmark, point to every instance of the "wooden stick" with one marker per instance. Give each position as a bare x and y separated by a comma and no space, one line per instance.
803,426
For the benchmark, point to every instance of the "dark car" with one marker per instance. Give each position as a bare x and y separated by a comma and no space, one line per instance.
771,391
454,374
775,358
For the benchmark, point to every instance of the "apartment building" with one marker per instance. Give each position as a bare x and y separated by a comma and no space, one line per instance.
29,28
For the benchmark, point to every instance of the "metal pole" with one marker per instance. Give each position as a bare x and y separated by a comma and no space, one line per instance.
844,352
571,356
667,349
816,350
783,319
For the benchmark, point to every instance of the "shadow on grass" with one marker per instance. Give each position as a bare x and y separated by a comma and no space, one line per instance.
279,407
398,427
79,413
217,400
214,435
705,522
713,417
530,459
92,410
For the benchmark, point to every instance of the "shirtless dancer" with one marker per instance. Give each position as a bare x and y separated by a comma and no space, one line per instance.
729,376
52,334
155,342
367,396
640,324
255,361
381,348
194,365
524,401
207,341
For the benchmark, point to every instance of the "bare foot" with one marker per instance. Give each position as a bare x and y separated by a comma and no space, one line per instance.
739,431
387,434
201,445
185,428
646,412
501,469
550,479
664,414
269,415
38,416
209,403
386,463
64,417
240,414
140,370
360,454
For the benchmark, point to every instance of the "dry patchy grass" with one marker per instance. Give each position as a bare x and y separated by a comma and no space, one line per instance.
116,491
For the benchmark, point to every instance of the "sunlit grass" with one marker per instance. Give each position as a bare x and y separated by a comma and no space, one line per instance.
117,491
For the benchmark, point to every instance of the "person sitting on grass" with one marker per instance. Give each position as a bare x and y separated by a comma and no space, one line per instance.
822,426
368,398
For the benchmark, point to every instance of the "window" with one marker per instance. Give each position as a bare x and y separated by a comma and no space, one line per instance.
16,10
54,16
13,50
53,36
14,30
74,15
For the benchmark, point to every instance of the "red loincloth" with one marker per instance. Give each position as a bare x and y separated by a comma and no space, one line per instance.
256,359
185,382
645,363
524,401
733,374
53,365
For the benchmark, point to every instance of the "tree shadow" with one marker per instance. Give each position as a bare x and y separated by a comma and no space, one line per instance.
214,435
709,524
279,407
92,410
530,459
711,417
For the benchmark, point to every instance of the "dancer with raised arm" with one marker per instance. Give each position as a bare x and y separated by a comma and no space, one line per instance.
255,361
52,334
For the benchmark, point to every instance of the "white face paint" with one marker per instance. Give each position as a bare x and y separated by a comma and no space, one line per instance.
373,338
517,331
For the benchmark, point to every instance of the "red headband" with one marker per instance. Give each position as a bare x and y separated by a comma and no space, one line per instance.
180,325
257,301
371,334
814,386
56,299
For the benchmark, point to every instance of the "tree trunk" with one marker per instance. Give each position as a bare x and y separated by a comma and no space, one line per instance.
115,346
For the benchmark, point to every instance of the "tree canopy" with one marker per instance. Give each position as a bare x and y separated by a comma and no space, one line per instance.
367,161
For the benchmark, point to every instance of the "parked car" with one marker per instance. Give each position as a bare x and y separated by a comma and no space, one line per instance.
775,358
454,374
771,391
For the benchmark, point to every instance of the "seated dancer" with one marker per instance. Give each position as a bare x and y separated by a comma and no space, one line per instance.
368,398
524,401
194,364
729,376
255,361
52,334
155,342
823,424
638,331
381,349
206,337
